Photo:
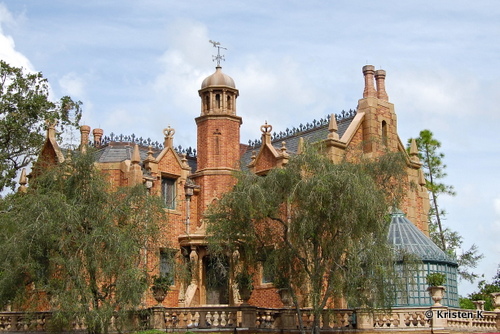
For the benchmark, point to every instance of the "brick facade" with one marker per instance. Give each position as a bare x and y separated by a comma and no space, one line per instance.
198,181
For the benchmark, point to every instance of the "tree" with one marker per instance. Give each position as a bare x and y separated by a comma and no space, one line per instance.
484,293
74,245
448,240
25,109
320,229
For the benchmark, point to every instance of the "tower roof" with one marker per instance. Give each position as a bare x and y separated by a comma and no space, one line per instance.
218,79
404,235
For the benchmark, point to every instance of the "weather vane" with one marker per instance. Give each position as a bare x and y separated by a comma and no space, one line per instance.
218,57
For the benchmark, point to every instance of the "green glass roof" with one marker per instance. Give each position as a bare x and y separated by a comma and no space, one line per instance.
404,235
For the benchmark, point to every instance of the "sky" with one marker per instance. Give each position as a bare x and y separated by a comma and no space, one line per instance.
137,67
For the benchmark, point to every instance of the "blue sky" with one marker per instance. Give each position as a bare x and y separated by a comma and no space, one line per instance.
137,67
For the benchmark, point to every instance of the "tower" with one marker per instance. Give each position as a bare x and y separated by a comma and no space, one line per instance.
218,137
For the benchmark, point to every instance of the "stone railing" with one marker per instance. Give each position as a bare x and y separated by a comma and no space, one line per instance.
422,319
24,322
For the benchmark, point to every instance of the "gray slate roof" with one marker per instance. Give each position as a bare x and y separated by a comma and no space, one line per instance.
120,151
404,235
117,150
292,142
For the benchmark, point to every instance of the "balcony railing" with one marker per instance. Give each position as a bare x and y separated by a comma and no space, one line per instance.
263,319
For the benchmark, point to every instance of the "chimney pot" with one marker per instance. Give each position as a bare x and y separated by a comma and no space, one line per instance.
369,91
84,132
98,133
380,80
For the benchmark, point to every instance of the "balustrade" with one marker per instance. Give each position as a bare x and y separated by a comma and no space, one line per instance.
251,317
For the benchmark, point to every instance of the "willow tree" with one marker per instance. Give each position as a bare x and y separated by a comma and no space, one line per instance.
75,246
319,229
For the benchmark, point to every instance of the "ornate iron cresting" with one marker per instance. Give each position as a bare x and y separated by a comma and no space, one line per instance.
146,142
130,139
282,135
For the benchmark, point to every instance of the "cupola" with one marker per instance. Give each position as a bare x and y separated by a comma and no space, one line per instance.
218,94
218,79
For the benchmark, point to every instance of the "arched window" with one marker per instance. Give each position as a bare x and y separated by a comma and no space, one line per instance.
384,132
217,101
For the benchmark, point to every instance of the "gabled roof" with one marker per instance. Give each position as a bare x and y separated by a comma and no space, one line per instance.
404,235
312,133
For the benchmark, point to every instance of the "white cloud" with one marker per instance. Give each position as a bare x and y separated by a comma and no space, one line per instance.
73,85
496,205
8,51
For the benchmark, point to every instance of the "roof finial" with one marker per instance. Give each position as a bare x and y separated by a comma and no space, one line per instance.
219,57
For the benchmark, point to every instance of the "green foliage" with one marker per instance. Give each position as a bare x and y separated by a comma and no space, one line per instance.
484,292
25,110
320,228
436,279
73,243
244,281
162,282
448,240
466,303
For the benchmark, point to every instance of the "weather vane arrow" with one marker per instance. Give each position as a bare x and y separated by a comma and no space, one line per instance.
219,57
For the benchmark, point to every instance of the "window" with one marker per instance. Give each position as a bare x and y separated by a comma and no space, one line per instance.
217,101
384,132
267,275
167,263
168,192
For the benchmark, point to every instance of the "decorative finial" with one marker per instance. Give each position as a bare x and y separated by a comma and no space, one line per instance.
169,132
414,151
169,137
333,128
136,157
23,181
266,128
219,57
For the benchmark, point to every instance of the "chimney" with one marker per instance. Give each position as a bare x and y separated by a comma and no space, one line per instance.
368,71
380,80
84,132
97,136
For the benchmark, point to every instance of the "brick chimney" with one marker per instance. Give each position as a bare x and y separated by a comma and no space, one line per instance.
380,81
84,133
369,91
97,136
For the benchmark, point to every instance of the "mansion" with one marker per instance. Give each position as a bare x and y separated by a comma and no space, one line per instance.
189,180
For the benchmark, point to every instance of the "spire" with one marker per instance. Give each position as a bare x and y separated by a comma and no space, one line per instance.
23,181
136,157
51,130
333,128
414,151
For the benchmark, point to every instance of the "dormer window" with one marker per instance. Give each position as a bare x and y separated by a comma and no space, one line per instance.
168,192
